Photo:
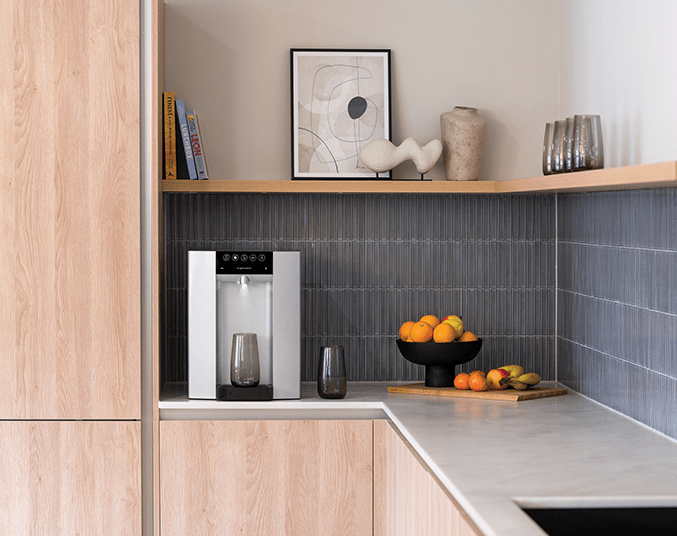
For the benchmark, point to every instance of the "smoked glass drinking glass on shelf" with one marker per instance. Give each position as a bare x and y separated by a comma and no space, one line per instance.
588,148
573,144
558,153
569,144
548,149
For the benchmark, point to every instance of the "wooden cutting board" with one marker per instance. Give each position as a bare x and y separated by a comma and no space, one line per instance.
511,395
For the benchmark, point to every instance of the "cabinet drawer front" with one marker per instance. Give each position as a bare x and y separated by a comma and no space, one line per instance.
266,477
73,477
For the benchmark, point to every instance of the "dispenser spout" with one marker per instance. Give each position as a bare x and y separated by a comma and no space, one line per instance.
244,280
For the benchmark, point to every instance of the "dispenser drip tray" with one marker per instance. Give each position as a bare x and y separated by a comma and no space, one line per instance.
231,393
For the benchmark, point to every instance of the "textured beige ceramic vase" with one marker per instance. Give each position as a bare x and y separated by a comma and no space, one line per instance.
463,142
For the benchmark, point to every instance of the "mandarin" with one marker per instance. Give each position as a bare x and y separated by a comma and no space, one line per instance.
432,320
421,332
467,337
443,333
405,329
477,382
461,381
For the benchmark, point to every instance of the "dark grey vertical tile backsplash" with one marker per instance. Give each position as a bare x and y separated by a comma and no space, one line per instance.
371,261
617,301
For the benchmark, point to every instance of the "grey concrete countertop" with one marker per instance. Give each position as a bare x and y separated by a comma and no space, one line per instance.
493,455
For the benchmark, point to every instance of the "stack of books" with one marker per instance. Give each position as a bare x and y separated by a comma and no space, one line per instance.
184,155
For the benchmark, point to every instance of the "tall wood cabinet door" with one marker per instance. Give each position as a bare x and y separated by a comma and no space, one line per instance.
69,209
300,478
408,500
70,477
444,517
400,491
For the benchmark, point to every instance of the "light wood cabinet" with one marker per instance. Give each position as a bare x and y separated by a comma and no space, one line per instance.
70,255
70,477
70,210
408,500
266,477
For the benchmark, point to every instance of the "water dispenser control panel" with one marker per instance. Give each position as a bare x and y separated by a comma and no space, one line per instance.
244,262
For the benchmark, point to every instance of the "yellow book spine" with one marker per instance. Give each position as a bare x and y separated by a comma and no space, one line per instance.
170,135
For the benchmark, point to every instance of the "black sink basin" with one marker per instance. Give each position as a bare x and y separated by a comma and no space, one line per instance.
657,521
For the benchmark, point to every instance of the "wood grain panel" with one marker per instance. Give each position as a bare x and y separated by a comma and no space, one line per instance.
658,175
406,490
509,395
444,516
157,231
266,477
655,175
70,340
408,499
329,186
73,477
380,477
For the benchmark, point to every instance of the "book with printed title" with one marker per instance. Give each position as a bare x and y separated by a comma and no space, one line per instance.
196,145
170,135
185,139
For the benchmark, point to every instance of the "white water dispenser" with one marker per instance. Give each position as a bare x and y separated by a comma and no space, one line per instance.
244,292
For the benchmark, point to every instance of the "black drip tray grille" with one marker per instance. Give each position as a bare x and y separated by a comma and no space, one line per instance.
229,392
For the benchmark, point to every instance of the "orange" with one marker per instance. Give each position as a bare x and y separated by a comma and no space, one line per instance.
480,372
467,336
421,332
461,381
477,382
432,320
443,333
405,329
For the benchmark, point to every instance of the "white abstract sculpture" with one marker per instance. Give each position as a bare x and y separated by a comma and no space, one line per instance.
381,155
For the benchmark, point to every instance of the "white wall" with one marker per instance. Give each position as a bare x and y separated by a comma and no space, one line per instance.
229,59
619,60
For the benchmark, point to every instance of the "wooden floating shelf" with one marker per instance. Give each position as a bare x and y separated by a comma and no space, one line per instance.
661,175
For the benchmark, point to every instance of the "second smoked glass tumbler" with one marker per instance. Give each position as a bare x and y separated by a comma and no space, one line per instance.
244,360
588,147
331,373
548,148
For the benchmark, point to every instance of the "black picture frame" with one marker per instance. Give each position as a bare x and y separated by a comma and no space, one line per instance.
340,101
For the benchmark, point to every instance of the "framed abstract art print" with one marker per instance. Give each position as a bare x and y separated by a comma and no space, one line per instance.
340,101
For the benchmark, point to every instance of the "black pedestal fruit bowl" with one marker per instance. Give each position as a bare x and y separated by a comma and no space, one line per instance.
439,358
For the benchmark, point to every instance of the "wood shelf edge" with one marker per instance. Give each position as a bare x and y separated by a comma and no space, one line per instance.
659,175
330,186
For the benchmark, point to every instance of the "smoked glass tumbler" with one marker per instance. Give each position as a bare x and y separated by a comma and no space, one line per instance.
588,147
559,147
331,373
548,148
244,360
569,144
